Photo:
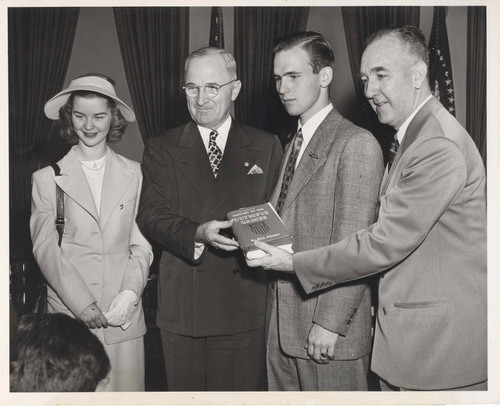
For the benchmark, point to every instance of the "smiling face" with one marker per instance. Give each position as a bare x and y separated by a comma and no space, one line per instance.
302,92
389,77
210,70
91,119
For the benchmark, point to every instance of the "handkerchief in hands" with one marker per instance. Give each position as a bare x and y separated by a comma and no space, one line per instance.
121,309
254,170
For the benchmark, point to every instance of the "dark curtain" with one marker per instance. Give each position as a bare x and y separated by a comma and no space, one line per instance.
216,28
476,77
154,43
40,43
256,29
359,24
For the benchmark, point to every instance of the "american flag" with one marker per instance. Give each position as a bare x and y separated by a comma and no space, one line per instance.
216,28
440,76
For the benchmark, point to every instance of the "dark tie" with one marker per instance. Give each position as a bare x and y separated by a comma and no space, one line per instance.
214,153
289,170
393,150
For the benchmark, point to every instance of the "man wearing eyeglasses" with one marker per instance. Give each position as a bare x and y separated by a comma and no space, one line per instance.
211,308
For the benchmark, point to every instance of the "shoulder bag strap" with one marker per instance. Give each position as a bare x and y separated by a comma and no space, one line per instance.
60,205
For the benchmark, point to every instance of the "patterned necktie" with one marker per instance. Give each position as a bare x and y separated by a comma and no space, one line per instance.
214,153
393,150
289,170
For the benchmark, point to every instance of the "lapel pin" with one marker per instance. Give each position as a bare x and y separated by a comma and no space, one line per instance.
313,155
246,164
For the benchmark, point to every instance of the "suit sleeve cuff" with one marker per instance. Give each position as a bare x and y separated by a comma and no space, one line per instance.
305,272
340,325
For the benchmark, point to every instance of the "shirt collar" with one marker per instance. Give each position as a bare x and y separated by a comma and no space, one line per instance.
223,132
311,125
402,130
223,129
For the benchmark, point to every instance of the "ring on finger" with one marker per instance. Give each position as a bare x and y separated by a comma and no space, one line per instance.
324,354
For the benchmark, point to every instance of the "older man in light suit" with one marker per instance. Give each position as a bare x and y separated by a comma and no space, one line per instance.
430,237
321,341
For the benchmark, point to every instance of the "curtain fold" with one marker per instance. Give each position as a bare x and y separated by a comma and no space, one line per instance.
154,43
476,77
216,28
256,29
39,46
359,24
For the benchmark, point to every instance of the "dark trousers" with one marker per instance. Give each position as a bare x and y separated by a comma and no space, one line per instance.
221,363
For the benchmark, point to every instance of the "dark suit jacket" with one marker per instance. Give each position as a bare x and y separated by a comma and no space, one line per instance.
333,194
431,238
215,294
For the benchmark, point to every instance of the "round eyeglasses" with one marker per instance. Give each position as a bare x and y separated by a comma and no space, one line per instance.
210,91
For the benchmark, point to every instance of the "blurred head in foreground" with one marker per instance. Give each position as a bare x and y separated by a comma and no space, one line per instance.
57,353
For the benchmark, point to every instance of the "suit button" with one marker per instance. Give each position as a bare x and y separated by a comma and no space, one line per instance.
348,321
98,258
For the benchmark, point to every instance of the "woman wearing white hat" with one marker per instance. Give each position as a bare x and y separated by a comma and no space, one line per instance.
98,270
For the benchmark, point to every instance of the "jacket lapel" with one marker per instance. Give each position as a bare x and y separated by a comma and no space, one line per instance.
418,122
313,157
74,183
237,160
411,135
117,178
191,157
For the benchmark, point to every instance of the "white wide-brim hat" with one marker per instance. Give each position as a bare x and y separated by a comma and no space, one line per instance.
94,84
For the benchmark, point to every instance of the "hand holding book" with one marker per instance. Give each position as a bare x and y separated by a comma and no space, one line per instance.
277,259
259,223
208,233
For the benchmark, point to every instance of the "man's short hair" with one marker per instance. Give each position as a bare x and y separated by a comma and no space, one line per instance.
57,353
319,50
410,36
208,51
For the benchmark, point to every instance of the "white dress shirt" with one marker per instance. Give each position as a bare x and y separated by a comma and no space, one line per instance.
221,139
94,172
310,127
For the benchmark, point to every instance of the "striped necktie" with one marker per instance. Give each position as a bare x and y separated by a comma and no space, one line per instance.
393,149
214,153
289,170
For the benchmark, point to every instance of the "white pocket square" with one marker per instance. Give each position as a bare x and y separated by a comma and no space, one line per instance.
255,170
